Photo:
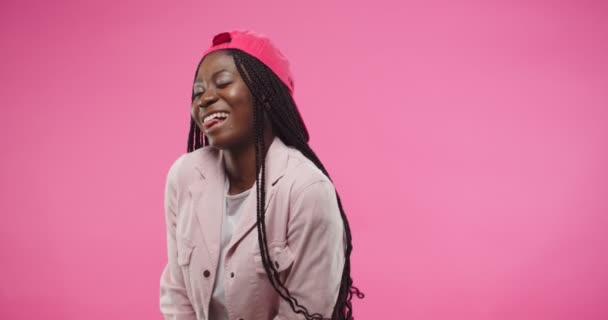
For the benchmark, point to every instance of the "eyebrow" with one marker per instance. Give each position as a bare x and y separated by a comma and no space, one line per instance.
212,76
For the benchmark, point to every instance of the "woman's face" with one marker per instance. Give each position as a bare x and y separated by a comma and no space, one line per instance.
222,106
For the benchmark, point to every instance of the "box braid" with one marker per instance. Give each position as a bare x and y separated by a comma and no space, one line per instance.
270,94
195,138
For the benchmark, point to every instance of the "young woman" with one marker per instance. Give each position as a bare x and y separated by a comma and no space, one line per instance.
255,228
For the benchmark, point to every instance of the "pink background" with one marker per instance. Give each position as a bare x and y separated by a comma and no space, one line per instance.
469,142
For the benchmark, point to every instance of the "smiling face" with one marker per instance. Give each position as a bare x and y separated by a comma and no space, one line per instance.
223,106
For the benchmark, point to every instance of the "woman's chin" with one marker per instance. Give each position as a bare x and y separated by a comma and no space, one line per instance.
224,143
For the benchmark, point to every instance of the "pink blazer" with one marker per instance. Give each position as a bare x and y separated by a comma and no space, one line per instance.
305,235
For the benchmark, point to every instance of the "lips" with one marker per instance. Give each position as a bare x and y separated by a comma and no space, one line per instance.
214,119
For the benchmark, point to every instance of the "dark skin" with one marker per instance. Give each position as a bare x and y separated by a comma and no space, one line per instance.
219,87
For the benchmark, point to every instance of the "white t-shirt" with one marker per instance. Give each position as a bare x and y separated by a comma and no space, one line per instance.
233,211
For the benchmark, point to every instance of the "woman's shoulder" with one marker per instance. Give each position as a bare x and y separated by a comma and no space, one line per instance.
302,173
310,191
181,170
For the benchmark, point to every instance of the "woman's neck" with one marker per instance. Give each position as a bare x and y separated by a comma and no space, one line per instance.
239,165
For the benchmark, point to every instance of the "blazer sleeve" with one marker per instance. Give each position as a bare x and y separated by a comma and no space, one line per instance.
316,238
174,302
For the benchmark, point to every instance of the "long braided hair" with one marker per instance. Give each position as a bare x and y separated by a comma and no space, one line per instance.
269,93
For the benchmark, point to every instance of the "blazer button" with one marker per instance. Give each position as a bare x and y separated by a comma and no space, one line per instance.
206,273
231,274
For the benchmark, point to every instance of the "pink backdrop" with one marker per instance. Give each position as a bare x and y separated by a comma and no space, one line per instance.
469,142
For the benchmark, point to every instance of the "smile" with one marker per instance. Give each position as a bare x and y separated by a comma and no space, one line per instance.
214,120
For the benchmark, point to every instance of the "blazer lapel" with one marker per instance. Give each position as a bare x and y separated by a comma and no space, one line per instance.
208,203
276,164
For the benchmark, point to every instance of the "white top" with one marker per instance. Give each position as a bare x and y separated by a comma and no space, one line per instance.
233,210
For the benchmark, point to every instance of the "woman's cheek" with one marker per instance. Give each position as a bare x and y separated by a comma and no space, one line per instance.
194,114
240,95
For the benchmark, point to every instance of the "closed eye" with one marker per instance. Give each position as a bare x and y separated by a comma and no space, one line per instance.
223,85
197,94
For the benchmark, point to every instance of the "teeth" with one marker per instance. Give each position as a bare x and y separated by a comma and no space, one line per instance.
215,115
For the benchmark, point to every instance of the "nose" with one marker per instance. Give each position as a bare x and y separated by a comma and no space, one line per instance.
208,98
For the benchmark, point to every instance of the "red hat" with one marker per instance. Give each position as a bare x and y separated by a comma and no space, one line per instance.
258,46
